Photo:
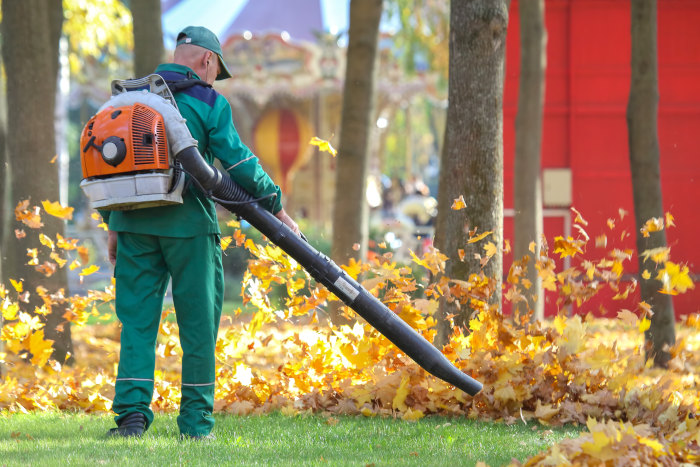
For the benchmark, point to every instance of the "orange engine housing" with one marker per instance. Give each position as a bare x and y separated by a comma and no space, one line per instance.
124,140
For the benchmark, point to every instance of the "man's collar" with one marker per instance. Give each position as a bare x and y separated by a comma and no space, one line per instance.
182,69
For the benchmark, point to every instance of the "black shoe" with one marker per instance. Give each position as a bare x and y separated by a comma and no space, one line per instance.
133,424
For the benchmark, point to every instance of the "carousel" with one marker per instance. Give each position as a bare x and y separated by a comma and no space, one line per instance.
287,60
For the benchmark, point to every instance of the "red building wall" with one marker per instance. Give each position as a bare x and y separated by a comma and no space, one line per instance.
585,129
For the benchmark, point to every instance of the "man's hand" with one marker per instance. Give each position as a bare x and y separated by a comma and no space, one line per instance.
112,247
284,217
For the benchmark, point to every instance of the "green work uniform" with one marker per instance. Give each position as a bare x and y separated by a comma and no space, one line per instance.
180,242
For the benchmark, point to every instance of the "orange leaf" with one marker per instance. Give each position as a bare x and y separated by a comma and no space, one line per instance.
459,203
31,218
479,237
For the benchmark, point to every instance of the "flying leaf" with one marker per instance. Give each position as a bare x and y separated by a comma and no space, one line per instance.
55,209
579,218
46,241
89,270
675,278
29,217
491,249
568,246
658,255
669,220
655,224
323,145
40,349
17,285
225,242
627,317
479,237
644,324
458,203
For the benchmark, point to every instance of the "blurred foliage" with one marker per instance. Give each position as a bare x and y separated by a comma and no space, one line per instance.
99,34
423,37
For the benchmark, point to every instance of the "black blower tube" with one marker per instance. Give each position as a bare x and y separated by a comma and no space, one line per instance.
325,271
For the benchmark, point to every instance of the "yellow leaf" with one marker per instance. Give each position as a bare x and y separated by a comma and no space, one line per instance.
225,242
46,241
656,446
568,246
17,285
655,224
323,145
531,247
490,249
412,415
40,349
55,209
644,324
675,279
398,403
9,312
646,275
669,220
479,237
89,270
459,203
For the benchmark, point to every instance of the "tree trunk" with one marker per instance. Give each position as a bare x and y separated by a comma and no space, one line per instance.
528,144
642,111
30,31
472,158
350,210
148,36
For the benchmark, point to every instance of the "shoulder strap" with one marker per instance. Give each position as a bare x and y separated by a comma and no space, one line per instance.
185,83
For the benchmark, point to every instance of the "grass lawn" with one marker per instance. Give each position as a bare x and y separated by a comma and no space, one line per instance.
78,439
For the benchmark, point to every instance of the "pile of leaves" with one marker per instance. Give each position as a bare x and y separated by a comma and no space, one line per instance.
284,356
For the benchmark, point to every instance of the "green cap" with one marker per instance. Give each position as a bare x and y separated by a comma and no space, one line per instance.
201,36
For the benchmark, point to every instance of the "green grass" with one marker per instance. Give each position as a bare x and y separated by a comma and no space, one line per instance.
78,439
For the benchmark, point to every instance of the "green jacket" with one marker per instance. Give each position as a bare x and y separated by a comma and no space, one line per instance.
208,116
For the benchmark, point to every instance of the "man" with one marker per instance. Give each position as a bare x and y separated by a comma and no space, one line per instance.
147,246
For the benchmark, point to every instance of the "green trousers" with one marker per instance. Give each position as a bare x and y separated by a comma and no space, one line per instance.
144,265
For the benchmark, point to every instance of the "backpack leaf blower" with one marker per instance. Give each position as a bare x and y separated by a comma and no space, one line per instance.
103,143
